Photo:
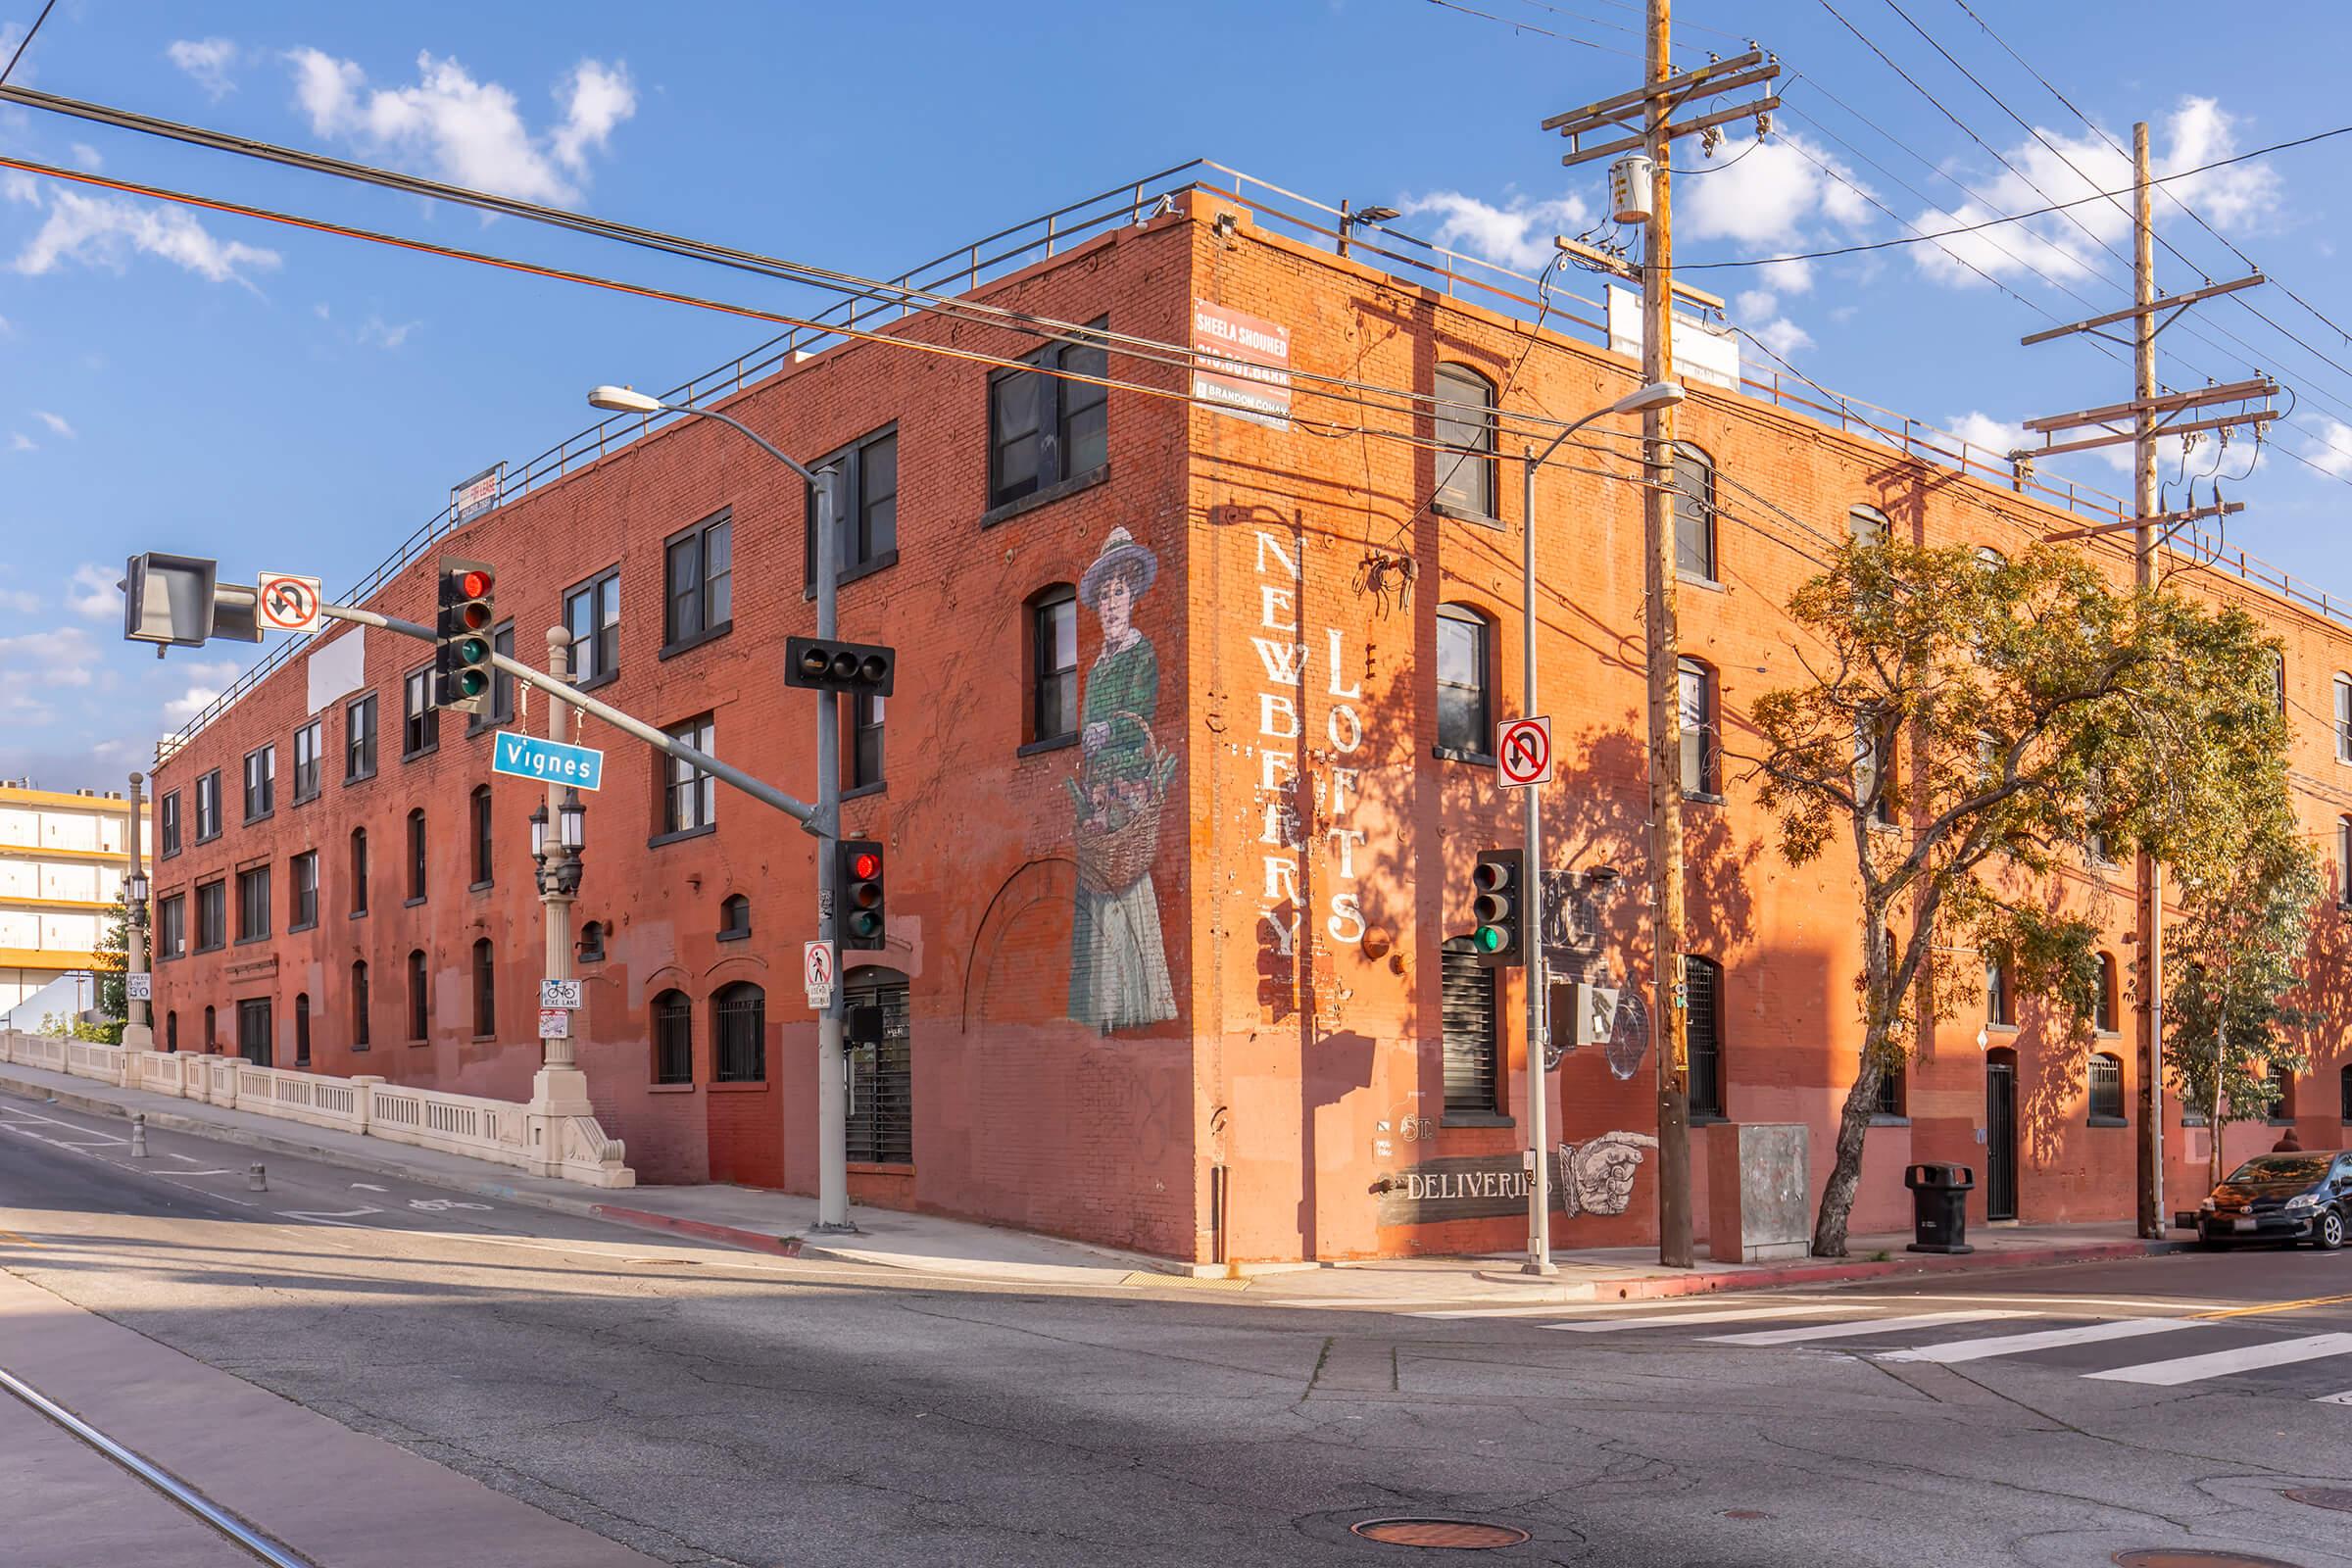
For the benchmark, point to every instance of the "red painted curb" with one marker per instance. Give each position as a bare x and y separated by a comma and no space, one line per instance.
780,1246
1650,1288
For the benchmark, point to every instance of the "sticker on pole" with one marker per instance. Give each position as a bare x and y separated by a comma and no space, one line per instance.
555,1023
817,972
1523,751
287,603
558,994
137,988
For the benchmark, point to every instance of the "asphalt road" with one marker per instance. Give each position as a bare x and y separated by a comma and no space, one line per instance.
703,1405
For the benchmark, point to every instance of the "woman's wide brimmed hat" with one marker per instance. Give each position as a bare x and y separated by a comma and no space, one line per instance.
1120,554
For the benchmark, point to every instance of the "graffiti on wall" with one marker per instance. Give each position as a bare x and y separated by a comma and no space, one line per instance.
1119,958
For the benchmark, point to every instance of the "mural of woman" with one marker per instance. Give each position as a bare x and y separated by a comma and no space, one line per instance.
1118,961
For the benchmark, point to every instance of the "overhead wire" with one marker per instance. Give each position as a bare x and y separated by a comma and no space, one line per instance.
1529,27
26,42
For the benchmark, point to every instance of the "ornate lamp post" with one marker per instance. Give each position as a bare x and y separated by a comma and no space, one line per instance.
136,1035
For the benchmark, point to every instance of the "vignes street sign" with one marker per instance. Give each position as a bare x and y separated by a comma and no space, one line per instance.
549,761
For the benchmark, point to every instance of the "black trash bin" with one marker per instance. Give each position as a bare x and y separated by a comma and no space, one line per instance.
1939,1206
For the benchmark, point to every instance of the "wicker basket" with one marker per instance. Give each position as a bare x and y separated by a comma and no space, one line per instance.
1113,859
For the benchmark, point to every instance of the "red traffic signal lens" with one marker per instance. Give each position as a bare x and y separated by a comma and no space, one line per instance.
1490,877
475,583
476,616
865,865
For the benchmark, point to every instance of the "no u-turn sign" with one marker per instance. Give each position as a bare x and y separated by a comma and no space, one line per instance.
1523,751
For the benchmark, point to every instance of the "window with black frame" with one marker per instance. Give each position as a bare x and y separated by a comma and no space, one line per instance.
1052,663
1467,1028
738,1035
1049,430
866,714
1695,682
360,1032
167,827
207,806
592,614
419,719
699,576
253,903
211,916
261,782
358,739
485,863
674,1038
419,997
2106,1085
689,795
485,989
309,743
304,876
171,926
1466,710
359,871
1465,430
1693,513
866,494
1703,983
881,1118
416,854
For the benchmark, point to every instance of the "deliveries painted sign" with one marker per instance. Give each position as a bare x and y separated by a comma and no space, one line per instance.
528,757
1259,387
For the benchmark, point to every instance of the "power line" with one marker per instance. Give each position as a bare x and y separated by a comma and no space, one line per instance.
26,42
1529,27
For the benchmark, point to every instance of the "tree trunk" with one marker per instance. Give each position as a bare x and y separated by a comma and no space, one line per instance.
2213,1117
1846,1174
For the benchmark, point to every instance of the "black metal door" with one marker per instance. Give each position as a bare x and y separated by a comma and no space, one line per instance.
252,1030
2001,1140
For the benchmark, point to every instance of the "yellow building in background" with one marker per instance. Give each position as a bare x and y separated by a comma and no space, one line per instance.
63,856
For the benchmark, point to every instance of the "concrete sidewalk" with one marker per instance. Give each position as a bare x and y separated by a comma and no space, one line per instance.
782,1223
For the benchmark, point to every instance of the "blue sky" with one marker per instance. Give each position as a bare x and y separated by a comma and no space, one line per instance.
298,402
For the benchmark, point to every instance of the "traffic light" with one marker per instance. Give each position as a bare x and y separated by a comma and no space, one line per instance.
860,884
461,674
827,664
1499,908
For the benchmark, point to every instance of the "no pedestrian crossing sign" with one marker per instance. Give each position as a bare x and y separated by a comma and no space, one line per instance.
1523,751
817,972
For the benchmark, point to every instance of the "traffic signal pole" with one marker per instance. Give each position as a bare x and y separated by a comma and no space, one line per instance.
832,1061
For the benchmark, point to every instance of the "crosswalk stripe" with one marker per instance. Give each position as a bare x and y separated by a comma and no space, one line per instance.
1855,1327
1548,1310
2344,1398
2217,1363
2040,1339
1609,1325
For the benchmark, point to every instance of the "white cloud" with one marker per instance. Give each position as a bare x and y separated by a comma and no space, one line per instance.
6,330
86,156
23,600
376,330
1773,196
98,231
1995,436
2330,448
56,422
18,187
469,133
19,441
1750,302
207,59
92,592
1783,336
63,657
1518,236
205,682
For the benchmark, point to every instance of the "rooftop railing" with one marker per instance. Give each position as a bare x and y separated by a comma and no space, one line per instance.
1424,262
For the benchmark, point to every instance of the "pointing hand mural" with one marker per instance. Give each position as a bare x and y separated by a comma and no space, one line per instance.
1596,1176
1118,960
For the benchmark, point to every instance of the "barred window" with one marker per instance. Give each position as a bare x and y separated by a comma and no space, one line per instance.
881,1121
739,1034
674,1038
1466,1008
1702,979
2106,1086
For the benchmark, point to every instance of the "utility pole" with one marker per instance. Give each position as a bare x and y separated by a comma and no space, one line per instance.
1664,94
2153,414
832,1060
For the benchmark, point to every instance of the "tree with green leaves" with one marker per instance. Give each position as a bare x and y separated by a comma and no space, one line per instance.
110,963
2231,967
1966,726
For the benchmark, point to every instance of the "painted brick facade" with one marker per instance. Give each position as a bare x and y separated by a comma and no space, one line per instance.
1256,988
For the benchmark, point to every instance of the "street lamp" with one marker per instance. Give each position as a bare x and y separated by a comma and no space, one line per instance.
138,896
1656,395
571,821
1348,219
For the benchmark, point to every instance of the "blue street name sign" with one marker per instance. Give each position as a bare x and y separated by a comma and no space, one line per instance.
528,757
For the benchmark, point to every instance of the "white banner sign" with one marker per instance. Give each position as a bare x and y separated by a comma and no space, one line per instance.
553,1023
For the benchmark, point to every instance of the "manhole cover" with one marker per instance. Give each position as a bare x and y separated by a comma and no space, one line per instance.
2336,1498
2177,1557
1459,1534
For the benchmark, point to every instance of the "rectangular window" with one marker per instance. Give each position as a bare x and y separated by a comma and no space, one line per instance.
592,614
674,1038
420,999
253,1030
1996,997
1703,985
208,806
2344,720
1693,513
1054,638
1891,1086
1466,1019
359,871
304,913
698,569
1465,427
1045,429
881,1119
261,782
866,528
2106,1088
211,916
361,1028
309,743
419,719
689,795
865,740
501,687
358,739
253,903
1463,716
167,827
416,854
484,864
1697,692
171,926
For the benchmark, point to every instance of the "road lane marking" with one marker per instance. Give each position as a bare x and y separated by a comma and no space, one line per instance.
1857,1328
2344,1398
1548,1310
2042,1339
2219,1364
336,1216
1611,1325
2277,1307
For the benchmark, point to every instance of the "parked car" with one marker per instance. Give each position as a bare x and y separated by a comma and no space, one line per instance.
2282,1198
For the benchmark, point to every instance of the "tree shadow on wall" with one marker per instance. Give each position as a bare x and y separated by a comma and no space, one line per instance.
2326,997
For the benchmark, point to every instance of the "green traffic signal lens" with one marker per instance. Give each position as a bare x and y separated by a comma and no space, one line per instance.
473,682
1490,938
473,650
865,923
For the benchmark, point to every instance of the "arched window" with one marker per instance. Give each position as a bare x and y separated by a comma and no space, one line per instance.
211,1039
1465,661
1052,617
1703,980
1695,513
739,1035
2343,718
881,1122
674,1038
359,870
1472,1048
420,1009
1996,996
2106,1088
485,988
2103,1007
2343,861
416,852
592,942
358,1007
1696,683
1868,525
1989,558
172,1036
1465,460
2279,677
734,918
302,1029
483,864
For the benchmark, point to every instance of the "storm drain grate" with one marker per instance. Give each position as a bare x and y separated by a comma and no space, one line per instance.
2336,1498
1460,1533
2177,1557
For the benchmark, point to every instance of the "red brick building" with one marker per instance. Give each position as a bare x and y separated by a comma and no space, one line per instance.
1179,782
